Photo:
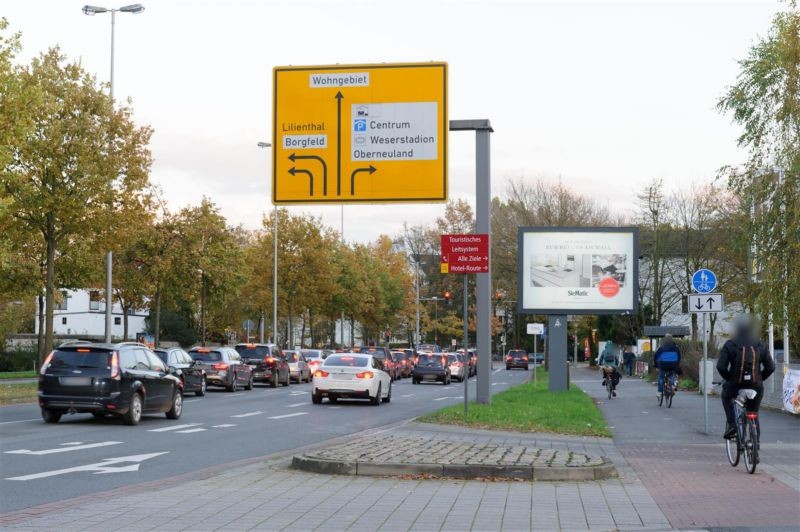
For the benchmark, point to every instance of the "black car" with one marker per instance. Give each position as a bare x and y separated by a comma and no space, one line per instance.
380,353
125,379
268,363
223,367
431,367
517,358
192,376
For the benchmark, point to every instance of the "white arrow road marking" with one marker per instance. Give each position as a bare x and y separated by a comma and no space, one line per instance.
297,404
98,468
175,427
248,414
65,449
288,415
189,431
224,425
448,397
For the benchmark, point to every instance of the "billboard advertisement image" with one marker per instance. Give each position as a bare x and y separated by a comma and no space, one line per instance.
577,270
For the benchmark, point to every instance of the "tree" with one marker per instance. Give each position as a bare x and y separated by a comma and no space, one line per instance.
765,101
77,162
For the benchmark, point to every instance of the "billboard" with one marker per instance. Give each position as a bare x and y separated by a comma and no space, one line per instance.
577,270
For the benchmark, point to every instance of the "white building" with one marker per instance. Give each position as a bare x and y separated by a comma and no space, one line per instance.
83,312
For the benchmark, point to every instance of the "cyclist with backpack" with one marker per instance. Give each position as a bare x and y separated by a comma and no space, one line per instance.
744,362
609,360
666,360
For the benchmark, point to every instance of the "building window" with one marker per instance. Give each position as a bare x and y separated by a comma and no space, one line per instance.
64,320
94,300
117,321
61,304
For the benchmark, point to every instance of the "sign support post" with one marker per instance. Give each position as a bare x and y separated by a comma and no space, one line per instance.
704,377
704,281
466,344
558,370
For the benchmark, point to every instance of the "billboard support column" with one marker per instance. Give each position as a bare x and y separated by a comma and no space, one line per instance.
557,353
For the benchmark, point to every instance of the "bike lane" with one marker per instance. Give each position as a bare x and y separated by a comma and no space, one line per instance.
686,471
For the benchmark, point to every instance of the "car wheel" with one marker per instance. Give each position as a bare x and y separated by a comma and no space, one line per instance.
375,401
273,383
527,368
249,383
508,368
234,386
50,416
388,398
316,398
288,379
332,398
177,406
134,414
203,387
414,381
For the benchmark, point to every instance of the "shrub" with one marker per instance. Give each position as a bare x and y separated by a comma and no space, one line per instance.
17,360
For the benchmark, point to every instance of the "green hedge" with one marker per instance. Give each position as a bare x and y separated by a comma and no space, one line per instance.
17,360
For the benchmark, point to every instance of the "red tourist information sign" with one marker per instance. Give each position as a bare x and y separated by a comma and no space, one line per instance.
465,254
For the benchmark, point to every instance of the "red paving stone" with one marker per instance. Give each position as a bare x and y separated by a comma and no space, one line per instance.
695,486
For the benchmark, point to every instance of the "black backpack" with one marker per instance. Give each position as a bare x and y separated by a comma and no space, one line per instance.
749,366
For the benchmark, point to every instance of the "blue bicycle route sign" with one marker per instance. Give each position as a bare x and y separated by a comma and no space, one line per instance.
704,281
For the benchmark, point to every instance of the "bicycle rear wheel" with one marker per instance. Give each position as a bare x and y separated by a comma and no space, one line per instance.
661,398
733,450
750,446
610,387
669,398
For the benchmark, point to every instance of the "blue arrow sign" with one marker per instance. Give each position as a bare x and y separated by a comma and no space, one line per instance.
704,281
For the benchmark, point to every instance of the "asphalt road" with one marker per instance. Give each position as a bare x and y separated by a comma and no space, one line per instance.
42,463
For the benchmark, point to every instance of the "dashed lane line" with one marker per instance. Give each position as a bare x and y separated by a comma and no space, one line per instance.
224,425
190,431
295,405
175,427
447,397
64,449
248,414
284,416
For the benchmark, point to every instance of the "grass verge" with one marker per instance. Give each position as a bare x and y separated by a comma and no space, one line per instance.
17,393
529,407
17,375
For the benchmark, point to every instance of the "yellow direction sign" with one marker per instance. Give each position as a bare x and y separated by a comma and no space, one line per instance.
360,133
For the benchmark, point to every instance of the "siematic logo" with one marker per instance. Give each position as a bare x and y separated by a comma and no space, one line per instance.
578,293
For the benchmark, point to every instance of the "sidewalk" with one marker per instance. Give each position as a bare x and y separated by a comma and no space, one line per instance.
271,496
686,471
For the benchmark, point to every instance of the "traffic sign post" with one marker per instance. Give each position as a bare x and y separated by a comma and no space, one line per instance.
360,133
535,329
704,282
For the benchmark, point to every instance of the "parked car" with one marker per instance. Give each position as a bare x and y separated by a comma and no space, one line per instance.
537,358
223,366
352,376
315,358
192,377
298,366
517,358
459,367
124,379
267,361
431,367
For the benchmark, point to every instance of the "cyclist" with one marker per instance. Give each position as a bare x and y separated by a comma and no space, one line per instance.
610,357
667,359
744,362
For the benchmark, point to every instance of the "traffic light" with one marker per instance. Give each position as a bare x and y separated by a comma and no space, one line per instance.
448,298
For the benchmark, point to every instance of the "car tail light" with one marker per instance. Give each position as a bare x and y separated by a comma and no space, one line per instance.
111,406
365,375
220,366
46,363
320,373
752,415
509,357
115,366
269,360
524,359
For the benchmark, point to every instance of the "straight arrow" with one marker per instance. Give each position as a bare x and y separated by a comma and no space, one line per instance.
371,169
295,171
698,305
711,302
339,97
294,157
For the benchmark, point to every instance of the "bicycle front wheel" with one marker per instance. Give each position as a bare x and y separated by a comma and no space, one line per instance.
732,448
750,447
609,387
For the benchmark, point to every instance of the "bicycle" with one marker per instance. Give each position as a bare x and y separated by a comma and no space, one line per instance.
608,373
668,389
746,438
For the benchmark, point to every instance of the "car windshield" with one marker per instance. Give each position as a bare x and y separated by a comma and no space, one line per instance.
452,358
163,355
252,351
346,361
430,347
83,359
517,353
311,353
291,356
430,360
205,356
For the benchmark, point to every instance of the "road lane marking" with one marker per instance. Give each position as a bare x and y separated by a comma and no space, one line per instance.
234,395
448,397
334,407
284,416
20,421
408,395
190,400
224,425
175,427
297,393
248,414
98,468
64,449
71,443
189,431
297,404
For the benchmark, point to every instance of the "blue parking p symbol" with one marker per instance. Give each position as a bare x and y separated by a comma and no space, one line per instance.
359,125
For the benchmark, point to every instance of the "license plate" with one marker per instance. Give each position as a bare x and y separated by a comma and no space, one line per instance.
76,381
252,366
342,376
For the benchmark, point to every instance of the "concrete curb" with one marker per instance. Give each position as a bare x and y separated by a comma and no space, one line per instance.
464,471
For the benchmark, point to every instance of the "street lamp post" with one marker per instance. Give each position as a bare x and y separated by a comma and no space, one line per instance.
134,9
274,265
435,300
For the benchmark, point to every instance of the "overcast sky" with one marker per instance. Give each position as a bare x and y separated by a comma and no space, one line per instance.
602,95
